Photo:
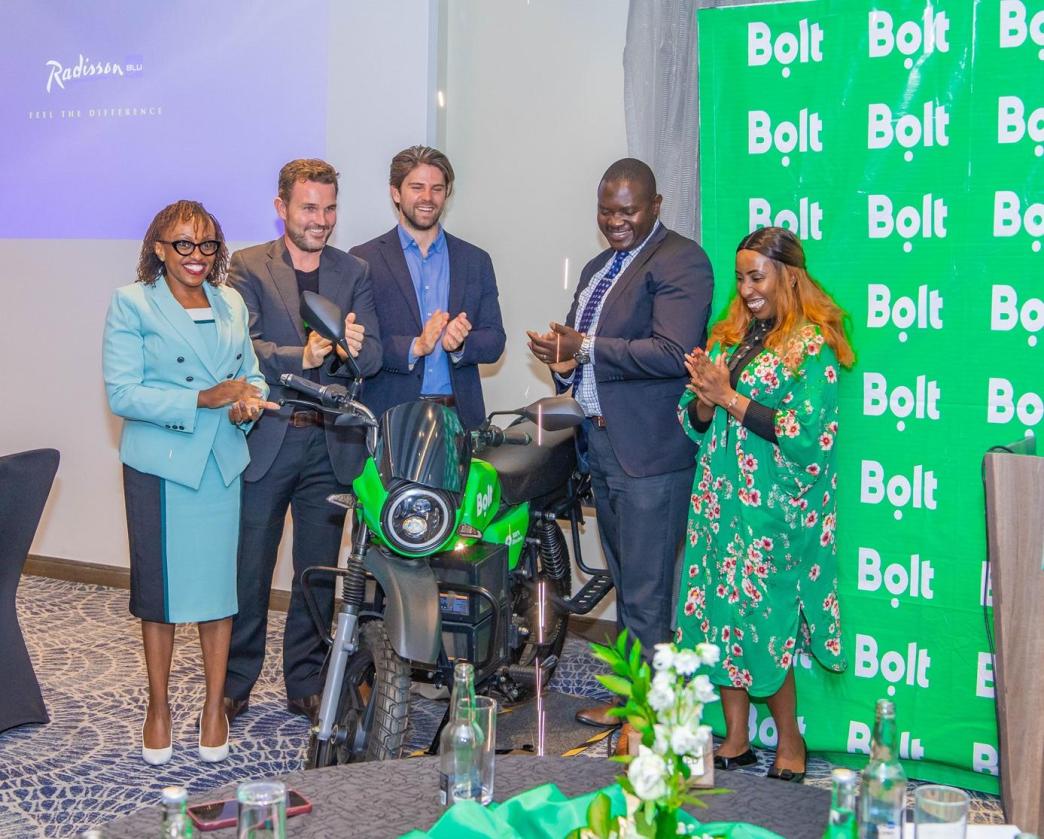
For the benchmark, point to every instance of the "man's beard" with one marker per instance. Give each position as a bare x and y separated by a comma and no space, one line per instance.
300,239
416,225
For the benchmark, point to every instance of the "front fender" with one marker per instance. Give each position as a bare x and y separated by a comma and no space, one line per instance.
411,611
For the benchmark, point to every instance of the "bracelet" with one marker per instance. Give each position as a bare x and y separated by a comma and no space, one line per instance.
732,402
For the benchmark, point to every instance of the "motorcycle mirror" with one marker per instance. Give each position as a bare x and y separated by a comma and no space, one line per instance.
554,413
326,318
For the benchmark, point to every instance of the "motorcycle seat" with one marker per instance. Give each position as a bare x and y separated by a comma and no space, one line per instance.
533,471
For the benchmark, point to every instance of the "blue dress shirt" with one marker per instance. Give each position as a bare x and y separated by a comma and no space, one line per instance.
431,278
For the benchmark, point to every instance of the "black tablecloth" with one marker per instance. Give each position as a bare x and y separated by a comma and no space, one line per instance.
390,798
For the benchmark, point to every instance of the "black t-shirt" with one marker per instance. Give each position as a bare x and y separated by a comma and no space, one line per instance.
308,281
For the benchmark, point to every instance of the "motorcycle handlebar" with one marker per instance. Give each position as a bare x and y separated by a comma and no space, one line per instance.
330,396
491,437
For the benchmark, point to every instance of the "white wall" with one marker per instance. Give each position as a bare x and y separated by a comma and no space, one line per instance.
533,116
56,292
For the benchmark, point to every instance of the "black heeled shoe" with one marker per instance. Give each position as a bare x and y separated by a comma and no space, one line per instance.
789,775
727,764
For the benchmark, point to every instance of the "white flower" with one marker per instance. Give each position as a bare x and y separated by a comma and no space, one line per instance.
687,662
689,739
663,739
663,659
709,654
661,696
647,774
703,689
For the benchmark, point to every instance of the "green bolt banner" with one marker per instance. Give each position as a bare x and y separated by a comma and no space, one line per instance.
902,141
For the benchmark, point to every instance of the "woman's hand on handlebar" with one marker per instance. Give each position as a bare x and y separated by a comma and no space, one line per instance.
249,409
227,392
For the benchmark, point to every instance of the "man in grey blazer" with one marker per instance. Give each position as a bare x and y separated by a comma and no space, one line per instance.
639,307
297,459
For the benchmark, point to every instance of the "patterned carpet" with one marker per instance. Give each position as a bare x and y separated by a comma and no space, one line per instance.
85,767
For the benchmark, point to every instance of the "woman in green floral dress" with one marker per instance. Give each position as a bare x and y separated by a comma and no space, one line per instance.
760,571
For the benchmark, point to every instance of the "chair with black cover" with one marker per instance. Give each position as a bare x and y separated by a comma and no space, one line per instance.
25,483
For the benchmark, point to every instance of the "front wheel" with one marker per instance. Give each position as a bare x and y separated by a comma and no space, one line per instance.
373,711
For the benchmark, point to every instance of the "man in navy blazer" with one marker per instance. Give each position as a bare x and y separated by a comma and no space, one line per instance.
436,295
297,459
638,308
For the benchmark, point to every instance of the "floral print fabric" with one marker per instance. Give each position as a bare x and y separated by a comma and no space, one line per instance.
760,572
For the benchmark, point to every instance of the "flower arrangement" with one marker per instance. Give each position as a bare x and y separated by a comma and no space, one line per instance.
664,703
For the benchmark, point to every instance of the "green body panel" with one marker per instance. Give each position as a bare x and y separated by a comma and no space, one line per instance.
510,529
479,506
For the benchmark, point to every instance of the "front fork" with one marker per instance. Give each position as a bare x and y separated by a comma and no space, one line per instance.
346,637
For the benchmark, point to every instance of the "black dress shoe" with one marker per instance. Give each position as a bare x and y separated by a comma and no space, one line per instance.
598,716
235,707
788,774
305,706
748,758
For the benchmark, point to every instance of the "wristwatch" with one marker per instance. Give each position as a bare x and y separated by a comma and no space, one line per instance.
583,355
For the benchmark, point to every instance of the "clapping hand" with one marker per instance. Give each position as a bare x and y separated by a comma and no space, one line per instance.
709,380
430,335
354,334
556,347
456,333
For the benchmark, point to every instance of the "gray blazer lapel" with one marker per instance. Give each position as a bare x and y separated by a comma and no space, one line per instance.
181,322
633,270
395,261
281,270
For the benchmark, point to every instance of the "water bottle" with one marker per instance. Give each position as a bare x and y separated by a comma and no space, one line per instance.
176,823
460,746
842,822
882,794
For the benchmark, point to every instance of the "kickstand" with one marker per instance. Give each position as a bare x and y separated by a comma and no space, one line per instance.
433,747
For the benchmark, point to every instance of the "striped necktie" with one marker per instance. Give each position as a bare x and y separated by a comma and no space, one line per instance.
594,302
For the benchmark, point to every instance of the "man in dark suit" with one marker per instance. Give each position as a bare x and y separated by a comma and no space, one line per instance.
437,301
639,307
297,458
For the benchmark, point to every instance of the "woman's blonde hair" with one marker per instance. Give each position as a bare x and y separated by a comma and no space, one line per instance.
800,300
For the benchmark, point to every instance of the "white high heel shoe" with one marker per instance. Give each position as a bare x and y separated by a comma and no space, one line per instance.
156,757
213,754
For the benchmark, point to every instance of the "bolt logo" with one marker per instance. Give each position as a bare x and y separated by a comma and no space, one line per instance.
860,735
483,501
1009,219
1013,124
909,130
913,580
804,222
986,586
1014,28
766,732
921,401
896,666
927,221
926,35
984,686
1002,405
925,312
1006,313
803,135
985,758
804,47
514,538
899,490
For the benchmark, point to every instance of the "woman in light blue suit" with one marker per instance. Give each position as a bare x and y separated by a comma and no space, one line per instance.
180,369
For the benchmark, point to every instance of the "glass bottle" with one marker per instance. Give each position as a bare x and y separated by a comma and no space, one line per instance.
460,746
882,794
176,823
842,823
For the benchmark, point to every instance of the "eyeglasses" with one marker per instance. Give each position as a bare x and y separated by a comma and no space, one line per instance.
185,247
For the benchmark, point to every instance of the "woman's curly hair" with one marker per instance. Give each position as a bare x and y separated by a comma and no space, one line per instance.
151,267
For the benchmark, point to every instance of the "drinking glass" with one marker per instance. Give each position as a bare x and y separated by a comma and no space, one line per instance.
940,812
485,715
262,810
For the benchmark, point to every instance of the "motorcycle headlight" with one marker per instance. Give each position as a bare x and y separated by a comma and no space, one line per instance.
416,519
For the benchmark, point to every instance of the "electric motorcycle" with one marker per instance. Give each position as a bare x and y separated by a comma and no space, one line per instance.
456,553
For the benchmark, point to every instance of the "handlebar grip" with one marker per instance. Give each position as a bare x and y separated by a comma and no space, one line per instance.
329,395
516,438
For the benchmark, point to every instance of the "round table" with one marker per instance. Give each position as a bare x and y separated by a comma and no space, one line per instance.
390,798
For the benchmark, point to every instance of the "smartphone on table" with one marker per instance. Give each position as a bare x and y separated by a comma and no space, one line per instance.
215,815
